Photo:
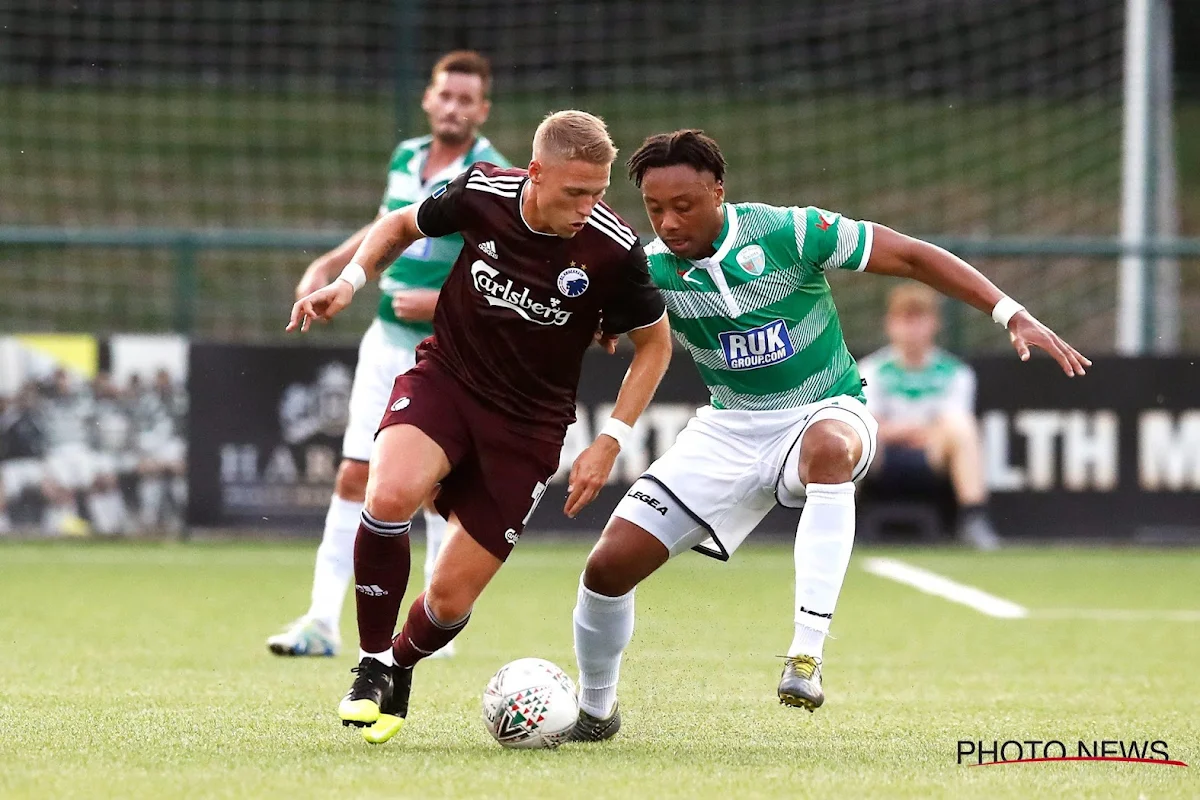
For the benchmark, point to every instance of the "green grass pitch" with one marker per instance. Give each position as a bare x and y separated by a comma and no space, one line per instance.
140,671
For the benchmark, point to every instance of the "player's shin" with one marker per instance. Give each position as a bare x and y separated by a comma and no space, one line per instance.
381,564
824,540
603,628
424,634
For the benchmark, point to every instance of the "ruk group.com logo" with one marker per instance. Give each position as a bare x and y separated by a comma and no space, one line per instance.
982,753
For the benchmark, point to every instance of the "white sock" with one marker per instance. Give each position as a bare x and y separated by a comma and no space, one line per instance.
824,539
151,489
107,510
808,641
603,628
179,494
335,562
435,531
56,517
385,657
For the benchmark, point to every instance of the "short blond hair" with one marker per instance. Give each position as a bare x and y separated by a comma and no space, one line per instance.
574,135
911,297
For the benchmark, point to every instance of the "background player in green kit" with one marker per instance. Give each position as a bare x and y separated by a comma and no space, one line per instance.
746,293
456,103
924,399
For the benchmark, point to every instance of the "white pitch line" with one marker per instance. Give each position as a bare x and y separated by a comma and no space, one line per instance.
1118,614
940,586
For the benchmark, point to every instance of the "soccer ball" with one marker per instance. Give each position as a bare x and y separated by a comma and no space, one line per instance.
530,703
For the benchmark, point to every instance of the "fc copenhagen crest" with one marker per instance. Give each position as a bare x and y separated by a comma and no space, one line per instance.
573,281
752,259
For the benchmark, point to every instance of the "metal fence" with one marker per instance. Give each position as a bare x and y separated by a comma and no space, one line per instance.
173,166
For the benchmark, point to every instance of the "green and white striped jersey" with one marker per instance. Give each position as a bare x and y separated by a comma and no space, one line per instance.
427,262
899,393
757,316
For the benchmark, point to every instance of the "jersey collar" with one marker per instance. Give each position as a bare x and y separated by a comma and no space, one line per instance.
521,209
724,241
455,167
898,359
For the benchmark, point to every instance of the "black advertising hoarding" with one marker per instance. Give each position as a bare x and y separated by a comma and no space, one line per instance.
268,421
266,433
1113,455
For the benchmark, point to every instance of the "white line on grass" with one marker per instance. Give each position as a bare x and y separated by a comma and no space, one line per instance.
940,586
1119,614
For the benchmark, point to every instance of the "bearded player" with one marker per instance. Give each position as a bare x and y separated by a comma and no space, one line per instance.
456,104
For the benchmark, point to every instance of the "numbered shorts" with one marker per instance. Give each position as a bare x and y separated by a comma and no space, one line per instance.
379,362
728,469
499,466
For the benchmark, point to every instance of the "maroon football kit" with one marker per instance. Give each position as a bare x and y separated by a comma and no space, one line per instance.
495,385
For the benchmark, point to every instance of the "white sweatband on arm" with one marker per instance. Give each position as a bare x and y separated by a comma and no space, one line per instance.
354,275
1004,310
617,430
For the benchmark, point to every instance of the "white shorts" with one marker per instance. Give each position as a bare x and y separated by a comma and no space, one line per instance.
18,474
158,447
379,362
72,466
728,469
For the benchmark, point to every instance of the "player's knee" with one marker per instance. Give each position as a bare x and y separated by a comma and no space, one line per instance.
351,483
829,453
605,574
391,503
448,604
623,558
959,427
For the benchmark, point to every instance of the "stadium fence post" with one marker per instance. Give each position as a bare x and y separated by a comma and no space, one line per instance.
1136,178
185,284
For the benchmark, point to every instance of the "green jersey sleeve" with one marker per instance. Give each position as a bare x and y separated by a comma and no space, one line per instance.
826,240
397,165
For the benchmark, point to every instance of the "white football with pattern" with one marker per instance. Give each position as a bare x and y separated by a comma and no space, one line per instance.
530,703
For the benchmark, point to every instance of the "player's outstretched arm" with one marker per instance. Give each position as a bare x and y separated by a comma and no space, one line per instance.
390,236
651,357
387,238
325,267
903,256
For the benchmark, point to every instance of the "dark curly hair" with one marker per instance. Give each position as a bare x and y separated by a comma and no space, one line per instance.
689,146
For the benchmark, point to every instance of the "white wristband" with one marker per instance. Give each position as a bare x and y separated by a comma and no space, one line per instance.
1004,310
354,275
617,430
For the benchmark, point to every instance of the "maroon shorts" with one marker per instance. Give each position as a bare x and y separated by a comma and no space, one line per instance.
498,471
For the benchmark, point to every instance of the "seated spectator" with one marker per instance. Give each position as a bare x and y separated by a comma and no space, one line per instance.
23,477
924,400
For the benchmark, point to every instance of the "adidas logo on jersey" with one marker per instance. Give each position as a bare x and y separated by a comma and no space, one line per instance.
488,248
758,347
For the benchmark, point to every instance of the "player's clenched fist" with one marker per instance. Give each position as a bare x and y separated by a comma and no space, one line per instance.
322,304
